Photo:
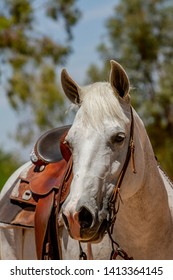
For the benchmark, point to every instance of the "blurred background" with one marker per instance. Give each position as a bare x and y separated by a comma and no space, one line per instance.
40,37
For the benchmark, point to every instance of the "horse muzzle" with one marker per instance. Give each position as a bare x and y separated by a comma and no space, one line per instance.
83,225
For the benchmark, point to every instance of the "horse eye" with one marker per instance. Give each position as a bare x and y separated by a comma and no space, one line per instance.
118,138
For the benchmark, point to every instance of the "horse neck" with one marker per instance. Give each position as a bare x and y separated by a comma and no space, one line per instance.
144,218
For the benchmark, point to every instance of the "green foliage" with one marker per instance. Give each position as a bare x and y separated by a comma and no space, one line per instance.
65,9
8,164
140,37
33,56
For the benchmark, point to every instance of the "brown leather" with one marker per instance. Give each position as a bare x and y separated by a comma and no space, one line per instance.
25,217
41,183
21,193
42,215
45,214
65,150
39,191
48,189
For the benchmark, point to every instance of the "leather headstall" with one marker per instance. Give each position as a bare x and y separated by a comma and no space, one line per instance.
116,249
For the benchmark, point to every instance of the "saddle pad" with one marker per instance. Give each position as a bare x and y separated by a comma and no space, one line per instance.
25,217
15,214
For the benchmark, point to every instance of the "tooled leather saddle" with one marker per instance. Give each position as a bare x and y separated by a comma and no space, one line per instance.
35,198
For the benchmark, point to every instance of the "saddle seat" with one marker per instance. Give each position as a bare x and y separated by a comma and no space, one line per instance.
47,148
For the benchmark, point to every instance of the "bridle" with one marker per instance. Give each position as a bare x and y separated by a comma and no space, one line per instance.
116,197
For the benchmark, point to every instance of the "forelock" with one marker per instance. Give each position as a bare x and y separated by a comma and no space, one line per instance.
98,101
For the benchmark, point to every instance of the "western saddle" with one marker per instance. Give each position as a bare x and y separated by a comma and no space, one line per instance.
35,198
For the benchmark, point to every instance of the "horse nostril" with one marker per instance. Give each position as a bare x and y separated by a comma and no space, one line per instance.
85,218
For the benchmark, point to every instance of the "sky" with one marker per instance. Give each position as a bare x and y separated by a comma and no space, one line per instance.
87,35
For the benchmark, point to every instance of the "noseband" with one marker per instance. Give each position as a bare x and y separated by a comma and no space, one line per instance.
116,249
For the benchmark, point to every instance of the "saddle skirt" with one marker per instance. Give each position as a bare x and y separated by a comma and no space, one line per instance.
32,185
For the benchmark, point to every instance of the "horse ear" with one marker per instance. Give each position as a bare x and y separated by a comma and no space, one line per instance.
70,87
118,79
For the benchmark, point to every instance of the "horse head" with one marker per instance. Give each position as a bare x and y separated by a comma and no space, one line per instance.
98,141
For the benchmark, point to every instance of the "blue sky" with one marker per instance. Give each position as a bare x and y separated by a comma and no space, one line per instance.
87,35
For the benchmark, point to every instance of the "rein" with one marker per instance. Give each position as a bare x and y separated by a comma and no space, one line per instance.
116,249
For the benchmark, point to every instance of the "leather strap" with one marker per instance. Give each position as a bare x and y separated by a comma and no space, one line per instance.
42,215
130,155
46,218
116,249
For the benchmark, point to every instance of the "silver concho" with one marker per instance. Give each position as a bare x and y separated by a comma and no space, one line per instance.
33,156
27,195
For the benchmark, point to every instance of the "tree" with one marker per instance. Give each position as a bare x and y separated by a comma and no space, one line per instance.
140,37
30,56
8,164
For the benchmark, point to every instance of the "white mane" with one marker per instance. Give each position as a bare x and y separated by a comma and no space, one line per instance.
99,102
